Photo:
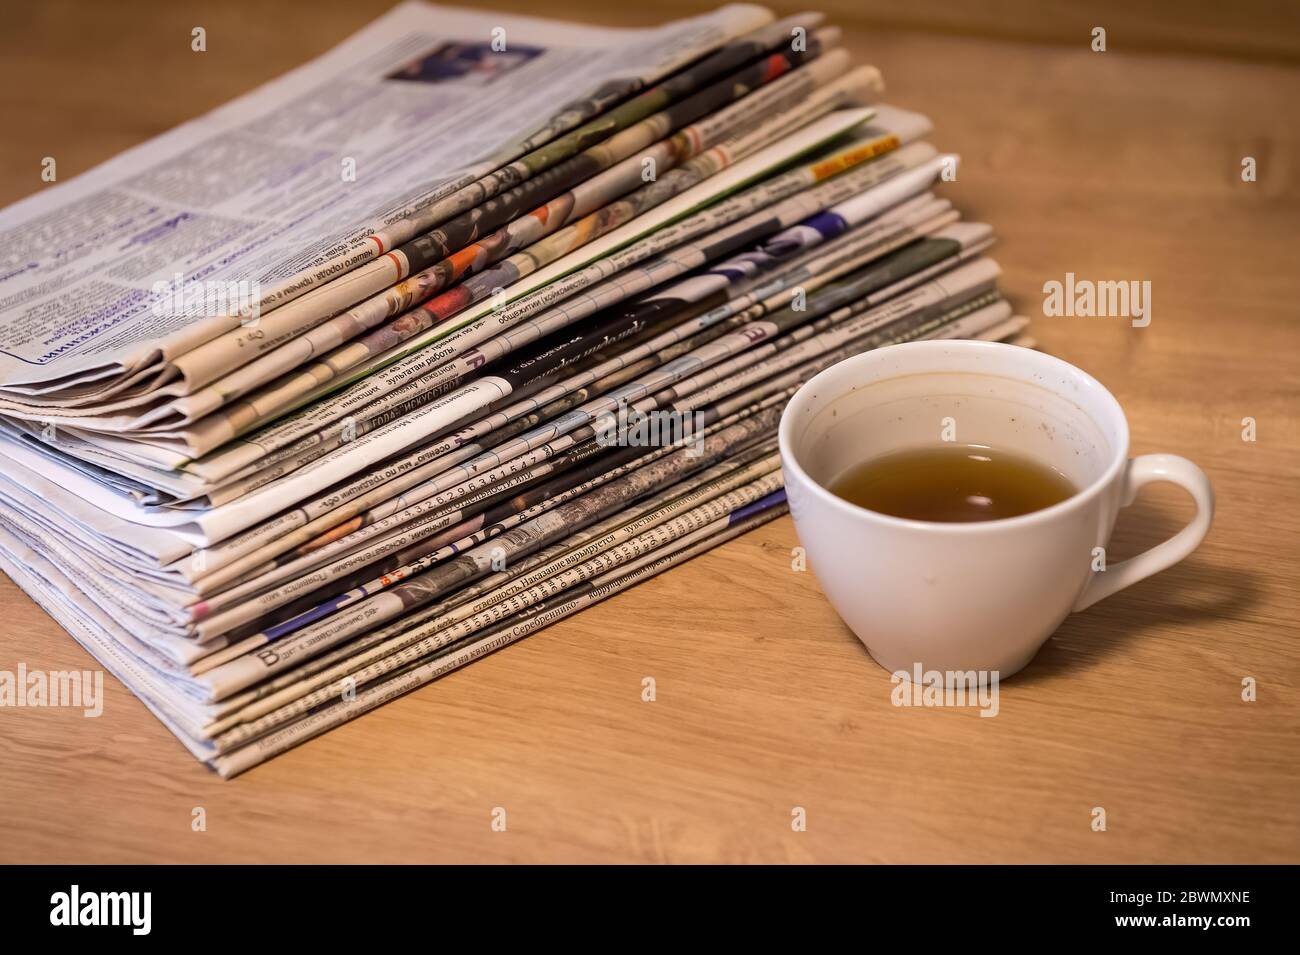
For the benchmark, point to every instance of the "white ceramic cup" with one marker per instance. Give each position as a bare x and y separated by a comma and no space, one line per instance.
980,596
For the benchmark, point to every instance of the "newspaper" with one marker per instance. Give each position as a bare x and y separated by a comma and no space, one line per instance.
740,369
713,172
475,345
658,346
532,376
219,523
622,133
503,592
282,188
174,710
501,584
232,364
864,245
407,277
426,455
237,416
409,675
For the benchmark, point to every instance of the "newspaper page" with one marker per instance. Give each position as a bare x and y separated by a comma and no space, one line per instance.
106,278
231,364
188,523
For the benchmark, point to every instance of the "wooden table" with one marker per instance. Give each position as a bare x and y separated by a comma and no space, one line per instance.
1122,165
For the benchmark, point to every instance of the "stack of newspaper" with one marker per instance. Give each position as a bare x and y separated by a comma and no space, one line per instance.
465,326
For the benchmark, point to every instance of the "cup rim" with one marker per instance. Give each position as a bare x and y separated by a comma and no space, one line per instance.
1081,498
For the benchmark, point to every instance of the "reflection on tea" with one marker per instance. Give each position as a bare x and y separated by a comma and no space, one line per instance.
952,483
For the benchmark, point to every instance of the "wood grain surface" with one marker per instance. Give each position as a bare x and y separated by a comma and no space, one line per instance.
1116,165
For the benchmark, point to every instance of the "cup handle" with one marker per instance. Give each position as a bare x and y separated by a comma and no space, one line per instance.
1141,471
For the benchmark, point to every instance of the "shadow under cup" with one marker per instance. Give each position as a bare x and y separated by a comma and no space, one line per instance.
978,596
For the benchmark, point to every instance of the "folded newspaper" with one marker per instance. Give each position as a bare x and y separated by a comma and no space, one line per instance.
370,373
